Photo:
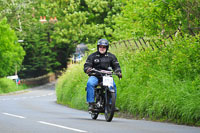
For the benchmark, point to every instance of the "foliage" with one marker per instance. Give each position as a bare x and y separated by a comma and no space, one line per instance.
41,55
68,91
11,53
156,17
161,85
8,85
49,46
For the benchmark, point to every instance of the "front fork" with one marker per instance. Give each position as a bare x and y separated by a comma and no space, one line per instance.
108,91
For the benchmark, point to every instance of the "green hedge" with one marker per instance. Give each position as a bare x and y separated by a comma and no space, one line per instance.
8,85
163,84
70,89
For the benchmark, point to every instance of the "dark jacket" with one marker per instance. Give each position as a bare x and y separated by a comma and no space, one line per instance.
102,62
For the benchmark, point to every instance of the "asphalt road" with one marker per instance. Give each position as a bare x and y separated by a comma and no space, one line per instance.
36,111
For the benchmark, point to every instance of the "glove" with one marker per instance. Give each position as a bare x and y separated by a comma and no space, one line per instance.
89,70
119,75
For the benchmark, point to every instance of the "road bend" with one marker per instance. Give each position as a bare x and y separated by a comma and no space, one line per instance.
35,111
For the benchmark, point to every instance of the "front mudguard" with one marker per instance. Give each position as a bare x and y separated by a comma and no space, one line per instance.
111,89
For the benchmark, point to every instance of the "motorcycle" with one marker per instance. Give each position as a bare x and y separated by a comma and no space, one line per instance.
104,96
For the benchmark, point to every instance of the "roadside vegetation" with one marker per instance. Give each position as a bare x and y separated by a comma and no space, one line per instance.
11,53
51,29
8,85
160,84
163,84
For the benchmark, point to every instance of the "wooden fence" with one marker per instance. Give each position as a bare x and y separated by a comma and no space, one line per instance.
142,43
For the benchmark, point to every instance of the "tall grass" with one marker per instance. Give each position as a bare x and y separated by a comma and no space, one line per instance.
71,85
163,84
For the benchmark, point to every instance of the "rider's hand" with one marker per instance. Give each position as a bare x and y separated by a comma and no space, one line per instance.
89,70
119,75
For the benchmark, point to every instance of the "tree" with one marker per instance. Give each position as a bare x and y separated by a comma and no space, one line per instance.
49,46
156,18
11,53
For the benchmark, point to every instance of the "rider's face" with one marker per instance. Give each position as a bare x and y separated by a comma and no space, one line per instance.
102,49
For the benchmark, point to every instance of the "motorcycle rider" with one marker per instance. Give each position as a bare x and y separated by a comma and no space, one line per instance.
100,60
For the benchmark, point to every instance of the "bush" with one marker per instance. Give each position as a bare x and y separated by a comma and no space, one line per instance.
8,85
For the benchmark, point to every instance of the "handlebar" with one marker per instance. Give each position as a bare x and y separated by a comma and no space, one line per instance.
104,71
101,72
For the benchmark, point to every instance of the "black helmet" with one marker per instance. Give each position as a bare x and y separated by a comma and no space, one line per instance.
103,42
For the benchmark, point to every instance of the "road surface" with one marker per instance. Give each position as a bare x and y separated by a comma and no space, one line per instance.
36,111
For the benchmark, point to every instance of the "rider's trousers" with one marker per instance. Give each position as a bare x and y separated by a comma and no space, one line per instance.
92,82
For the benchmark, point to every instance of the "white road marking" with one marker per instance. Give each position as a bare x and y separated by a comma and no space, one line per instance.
55,125
30,97
18,116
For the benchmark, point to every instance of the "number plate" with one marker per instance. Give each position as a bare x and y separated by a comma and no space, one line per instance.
107,81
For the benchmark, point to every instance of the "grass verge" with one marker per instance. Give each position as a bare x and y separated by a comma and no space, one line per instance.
8,85
161,85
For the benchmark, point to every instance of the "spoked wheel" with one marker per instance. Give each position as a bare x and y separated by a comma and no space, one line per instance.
109,105
94,115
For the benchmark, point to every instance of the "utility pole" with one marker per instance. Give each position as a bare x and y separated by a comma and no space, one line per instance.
20,24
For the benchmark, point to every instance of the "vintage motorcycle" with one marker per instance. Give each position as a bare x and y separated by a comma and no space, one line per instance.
104,96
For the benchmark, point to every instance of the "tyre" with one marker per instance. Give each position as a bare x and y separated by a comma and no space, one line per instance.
109,105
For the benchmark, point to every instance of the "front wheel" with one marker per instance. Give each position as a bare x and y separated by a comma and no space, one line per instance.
109,105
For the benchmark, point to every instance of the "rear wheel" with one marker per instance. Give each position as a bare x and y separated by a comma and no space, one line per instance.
109,105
